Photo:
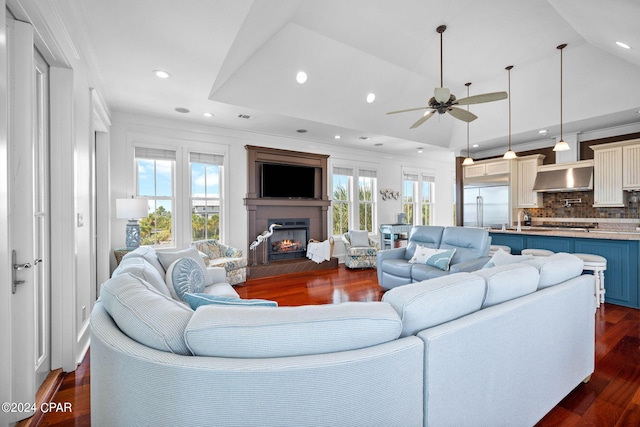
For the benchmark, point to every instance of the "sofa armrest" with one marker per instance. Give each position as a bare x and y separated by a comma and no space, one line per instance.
469,265
346,242
396,253
217,274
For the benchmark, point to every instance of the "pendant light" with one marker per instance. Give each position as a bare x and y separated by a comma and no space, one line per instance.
468,160
510,154
561,145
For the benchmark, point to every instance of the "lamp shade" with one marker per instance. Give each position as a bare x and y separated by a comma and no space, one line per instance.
132,208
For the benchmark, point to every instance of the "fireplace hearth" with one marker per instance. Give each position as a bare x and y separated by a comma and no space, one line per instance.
289,241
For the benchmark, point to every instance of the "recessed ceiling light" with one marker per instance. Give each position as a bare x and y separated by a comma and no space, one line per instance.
371,97
420,150
378,144
541,131
623,45
161,74
476,145
182,110
207,114
301,77
245,116
364,138
337,137
301,131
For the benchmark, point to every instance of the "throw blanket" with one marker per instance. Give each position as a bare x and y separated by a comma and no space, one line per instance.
319,251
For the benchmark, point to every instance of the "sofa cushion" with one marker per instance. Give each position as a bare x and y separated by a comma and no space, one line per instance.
258,332
425,235
470,243
145,315
222,289
420,272
439,258
138,266
501,257
429,303
196,300
359,238
185,275
507,282
557,268
397,267
148,254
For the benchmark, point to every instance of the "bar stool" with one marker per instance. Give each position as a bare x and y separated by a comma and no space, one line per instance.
598,265
495,248
537,252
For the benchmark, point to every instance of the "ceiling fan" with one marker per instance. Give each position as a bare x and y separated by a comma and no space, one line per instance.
443,101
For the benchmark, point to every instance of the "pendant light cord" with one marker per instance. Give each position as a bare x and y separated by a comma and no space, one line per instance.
509,89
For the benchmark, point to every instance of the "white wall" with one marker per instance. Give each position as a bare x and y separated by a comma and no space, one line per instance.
128,129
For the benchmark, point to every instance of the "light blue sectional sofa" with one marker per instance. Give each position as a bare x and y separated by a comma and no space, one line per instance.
470,247
497,347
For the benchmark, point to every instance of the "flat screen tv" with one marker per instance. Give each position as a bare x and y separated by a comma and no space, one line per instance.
288,181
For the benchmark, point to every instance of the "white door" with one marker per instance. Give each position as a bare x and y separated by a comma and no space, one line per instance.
28,217
41,218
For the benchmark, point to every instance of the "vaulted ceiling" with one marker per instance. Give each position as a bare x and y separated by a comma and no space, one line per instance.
241,57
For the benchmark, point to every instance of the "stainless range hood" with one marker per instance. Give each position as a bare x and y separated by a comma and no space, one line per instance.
565,179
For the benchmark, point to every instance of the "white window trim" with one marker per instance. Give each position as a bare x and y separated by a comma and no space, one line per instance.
424,175
182,179
354,202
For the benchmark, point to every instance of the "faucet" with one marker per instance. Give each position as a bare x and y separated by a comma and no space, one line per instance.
519,228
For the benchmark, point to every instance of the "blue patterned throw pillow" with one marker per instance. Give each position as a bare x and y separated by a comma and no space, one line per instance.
438,258
185,275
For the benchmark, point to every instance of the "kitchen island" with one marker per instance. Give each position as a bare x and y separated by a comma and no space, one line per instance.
620,248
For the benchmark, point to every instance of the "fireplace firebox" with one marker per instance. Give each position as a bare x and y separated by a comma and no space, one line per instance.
290,240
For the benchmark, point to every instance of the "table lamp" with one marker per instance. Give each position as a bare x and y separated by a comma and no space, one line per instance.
132,209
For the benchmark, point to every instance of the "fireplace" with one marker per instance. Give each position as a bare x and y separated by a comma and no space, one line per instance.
290,240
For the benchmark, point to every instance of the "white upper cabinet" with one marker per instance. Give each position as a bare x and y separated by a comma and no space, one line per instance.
607,176
631,165
526,172
487,168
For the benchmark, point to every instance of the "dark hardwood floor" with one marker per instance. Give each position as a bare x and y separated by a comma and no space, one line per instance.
611,398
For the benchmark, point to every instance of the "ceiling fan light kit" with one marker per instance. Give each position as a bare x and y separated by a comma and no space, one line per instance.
443,101
561,145
510,154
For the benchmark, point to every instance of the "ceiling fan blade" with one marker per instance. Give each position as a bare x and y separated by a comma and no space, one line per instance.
410,109
441,94
461,114
484,97
422,119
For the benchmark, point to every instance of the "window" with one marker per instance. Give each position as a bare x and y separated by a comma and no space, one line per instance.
155,174
206,182
417,198
366,198
342,183
349,211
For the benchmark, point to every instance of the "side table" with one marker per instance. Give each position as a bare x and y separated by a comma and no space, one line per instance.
391,230
120,252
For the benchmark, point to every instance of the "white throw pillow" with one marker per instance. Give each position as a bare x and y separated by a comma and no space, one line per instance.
503,258
359,238
439,258
185,276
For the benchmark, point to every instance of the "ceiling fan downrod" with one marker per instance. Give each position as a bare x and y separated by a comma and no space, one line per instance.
440,30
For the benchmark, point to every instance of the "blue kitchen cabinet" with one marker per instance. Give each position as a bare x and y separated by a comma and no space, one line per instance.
622,277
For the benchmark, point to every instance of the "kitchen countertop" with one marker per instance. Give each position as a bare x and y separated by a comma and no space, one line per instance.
592,233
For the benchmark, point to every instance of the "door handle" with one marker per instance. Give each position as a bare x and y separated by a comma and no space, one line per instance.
19,267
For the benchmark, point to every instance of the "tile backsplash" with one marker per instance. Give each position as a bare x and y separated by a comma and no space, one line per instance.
555,206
